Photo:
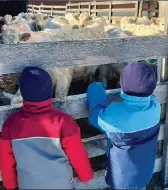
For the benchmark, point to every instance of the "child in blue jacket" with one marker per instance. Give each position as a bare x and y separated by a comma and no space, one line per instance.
132,126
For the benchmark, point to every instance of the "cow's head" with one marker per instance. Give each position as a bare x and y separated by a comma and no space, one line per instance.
12,36
41,20
9,35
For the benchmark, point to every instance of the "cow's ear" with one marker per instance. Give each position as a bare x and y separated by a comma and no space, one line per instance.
25,36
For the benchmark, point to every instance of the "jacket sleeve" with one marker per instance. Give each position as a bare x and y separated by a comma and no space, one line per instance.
7,160
75,150
97,101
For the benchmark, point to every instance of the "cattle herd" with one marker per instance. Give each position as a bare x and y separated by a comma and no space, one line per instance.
31,28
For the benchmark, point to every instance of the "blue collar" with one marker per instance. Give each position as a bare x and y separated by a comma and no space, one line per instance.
134,100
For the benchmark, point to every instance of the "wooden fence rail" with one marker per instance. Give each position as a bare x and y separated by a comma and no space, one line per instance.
81,53
76,105
136,8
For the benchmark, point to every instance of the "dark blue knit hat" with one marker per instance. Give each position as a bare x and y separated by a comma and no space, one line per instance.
35,85
138,79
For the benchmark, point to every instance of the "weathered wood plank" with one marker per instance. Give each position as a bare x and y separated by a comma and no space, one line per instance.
114,2
94,138
55,6
124,10
54,11
84,3
107,10
99,10
97,183
59,7
77,105
95,149
35,6
79,53
76,10
59,11
45,6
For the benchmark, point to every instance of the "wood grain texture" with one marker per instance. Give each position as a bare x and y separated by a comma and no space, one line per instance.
13,58
76,105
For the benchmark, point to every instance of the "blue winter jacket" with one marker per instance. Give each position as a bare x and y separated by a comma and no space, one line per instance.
132,128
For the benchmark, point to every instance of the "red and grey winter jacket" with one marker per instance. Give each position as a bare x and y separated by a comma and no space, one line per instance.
38,146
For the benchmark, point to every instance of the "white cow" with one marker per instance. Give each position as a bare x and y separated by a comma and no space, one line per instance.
20,19
37,20
41,20
78,19
57,24
14,33
143,26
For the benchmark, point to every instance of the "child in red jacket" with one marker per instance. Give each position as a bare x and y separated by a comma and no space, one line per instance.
39,143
